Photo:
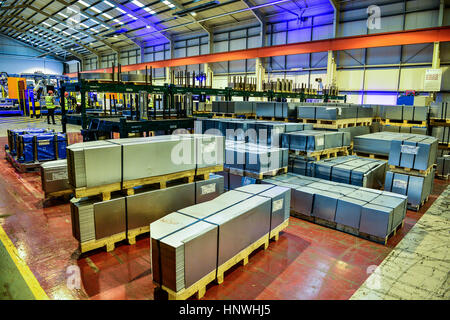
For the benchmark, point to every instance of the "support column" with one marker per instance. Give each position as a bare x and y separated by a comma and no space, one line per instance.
436,64
167,80
209,74
331,69
260,73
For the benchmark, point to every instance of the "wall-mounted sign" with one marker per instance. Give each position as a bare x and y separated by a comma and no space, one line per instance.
433,79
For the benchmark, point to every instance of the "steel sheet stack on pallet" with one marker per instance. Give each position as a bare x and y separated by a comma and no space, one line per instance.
358,171
194,246
147,169
368,213
411,161
440,128
411,168
54,179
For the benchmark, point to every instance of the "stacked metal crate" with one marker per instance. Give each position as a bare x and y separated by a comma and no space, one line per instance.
403,119
357,210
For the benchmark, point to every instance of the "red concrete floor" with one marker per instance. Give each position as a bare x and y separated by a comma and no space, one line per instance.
308,262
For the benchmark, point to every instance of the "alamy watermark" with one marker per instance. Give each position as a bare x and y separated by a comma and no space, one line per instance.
374,20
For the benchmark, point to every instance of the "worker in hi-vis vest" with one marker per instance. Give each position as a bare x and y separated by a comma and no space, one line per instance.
67,103
50,104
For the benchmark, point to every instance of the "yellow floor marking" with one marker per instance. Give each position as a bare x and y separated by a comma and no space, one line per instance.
24,270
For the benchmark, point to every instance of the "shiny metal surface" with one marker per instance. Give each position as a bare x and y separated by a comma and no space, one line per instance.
147,207
82,216
54,176
376,220
348,211
110,217
103,165
325,204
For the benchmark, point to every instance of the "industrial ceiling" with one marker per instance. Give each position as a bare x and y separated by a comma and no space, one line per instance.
67,29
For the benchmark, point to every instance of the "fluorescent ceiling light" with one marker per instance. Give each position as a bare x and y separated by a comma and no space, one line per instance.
109,3
107,15
83,3
46,24
83,25
85,16
166,2
66,33
171,5
119,22
137,3
95,9
131,16
193,13
56,28
148,27
123,11
148,10
62,14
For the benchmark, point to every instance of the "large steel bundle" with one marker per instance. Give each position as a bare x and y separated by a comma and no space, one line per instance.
416,187
442,134
440,110
443,165
94,220
104,162
415,152
369,211
239,107
353,170
189,244
276,109
314,140
409,113
54,176
334,112
254,157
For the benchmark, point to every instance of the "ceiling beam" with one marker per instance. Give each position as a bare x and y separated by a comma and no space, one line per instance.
64,23
54,45
57,34
256,12
148,24
179,5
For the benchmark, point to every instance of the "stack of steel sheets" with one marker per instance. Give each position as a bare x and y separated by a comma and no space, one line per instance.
276,109
409,113
442,134
443,165
334,112
416,152
189,244
90,218
255,158
99,163
358,171
378,143
369,211
401,129
440,110
314,140
54,176
416,187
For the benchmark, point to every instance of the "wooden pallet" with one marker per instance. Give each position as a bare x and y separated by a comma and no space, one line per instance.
444,146
322,154
133,233
376,119
443,177
344,228
398,169
440,122
22,167
199,288
105,191
189,175
417,207
234,115
256,175
276,119
54,195
338,124
370,155
403,123
108,242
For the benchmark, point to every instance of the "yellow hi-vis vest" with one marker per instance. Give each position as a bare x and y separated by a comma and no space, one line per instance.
49,102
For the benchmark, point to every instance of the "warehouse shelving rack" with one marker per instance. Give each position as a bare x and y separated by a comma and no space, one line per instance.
117,123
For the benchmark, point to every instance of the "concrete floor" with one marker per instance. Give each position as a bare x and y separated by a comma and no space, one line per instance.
25,122
308,262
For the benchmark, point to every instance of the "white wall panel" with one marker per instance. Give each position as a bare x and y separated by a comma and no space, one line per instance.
179,53
383,55
278,38
322,32
237,44
353,28
237,66
193,51
381,79
386,99
299,35
297,61
425,19
351,57
417,53
388,24
349,79
221,46
412,78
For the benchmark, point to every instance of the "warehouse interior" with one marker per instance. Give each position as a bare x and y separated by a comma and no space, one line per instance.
224,149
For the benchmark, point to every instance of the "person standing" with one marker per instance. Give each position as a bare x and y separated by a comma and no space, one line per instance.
50,104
